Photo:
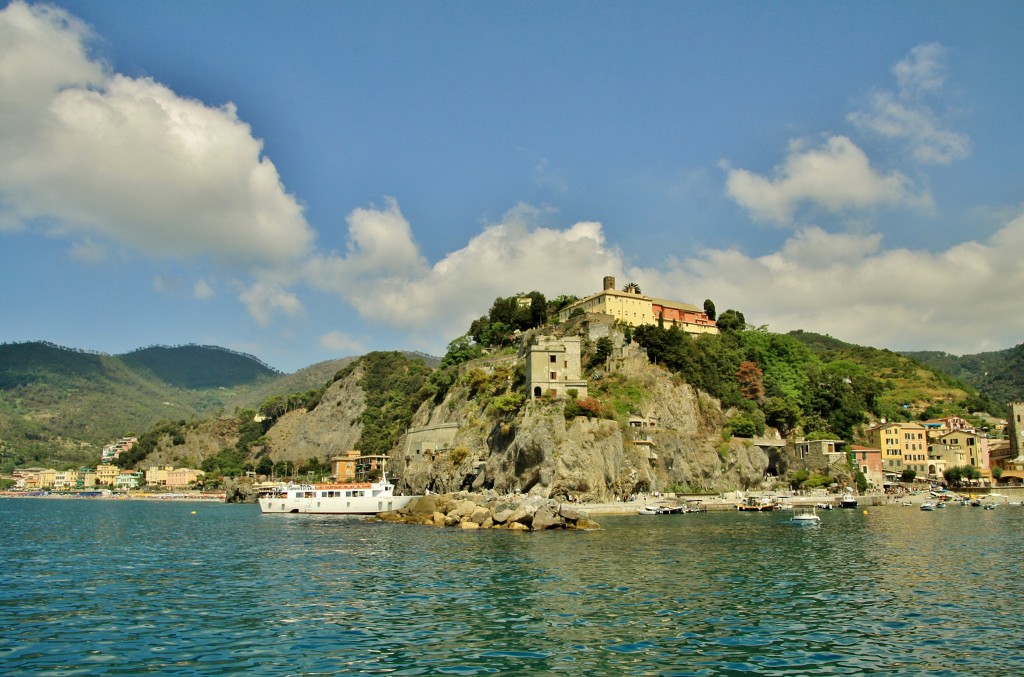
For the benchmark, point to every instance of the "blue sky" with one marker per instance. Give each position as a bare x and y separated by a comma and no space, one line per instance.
309,180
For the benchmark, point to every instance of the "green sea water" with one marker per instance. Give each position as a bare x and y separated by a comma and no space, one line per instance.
93,587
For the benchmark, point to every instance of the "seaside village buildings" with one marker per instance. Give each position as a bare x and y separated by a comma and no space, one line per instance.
931,447
106,475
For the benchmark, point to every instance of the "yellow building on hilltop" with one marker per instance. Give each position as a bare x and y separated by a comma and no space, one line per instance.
636,309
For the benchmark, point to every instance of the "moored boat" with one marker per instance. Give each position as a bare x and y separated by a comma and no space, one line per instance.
351,498
662,510
848,501
756,504
805,516
695,505
927,505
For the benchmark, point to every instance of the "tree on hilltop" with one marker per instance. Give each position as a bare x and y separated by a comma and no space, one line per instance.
709,309
732,320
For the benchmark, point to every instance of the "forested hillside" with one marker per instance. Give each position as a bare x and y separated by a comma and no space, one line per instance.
58,406
367,404
199,367
998,374
806,382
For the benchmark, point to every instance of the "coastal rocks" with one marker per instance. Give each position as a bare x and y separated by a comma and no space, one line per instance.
475,511
238,492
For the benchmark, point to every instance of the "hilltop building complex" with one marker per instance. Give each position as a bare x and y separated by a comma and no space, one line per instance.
636,309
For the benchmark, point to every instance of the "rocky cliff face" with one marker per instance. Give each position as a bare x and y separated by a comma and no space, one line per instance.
332,428
201,442
540,452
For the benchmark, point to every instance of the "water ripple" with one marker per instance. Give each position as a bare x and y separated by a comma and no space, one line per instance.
126,588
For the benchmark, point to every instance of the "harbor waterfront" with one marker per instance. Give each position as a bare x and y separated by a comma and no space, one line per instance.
194,588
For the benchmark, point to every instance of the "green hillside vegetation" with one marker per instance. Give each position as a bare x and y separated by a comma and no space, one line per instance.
305,379
58,406
801,382
807,382
197,367
913,389
999,374
395,387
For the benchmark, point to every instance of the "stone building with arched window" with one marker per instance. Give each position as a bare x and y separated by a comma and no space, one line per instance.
553,368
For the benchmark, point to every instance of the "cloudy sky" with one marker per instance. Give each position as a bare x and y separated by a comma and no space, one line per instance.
305,181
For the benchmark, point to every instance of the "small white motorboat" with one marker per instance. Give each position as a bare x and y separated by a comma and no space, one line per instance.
662,510
805,516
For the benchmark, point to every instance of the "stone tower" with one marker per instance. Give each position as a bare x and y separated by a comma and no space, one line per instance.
1015,427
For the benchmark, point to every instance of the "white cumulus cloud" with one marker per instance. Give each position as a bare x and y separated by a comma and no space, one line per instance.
438,301
835,176
960,300
95,154
202,290
264,300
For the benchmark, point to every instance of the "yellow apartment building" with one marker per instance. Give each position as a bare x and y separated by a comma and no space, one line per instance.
65,479
34,478
106,474
180,478
904,446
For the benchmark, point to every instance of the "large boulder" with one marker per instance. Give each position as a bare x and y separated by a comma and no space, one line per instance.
547,518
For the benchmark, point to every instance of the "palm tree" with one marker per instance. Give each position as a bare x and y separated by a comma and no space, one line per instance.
631,288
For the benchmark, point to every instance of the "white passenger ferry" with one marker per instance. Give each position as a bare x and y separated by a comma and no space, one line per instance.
355,498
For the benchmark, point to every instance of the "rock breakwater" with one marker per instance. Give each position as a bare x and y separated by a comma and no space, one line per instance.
476,511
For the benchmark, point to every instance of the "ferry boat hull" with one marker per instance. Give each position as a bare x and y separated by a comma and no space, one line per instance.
361,498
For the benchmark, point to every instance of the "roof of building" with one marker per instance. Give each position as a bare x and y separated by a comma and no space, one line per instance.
678,305
632,295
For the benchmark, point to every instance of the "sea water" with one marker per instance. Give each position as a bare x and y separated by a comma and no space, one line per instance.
101,587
